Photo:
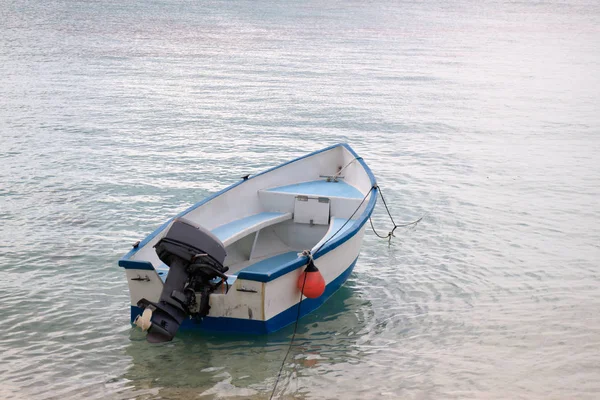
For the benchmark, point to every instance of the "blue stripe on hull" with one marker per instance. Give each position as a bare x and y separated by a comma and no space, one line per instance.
287,317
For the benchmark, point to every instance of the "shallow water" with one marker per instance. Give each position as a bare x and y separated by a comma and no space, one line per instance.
114,116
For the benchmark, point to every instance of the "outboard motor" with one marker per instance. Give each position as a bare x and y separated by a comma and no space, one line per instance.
195,259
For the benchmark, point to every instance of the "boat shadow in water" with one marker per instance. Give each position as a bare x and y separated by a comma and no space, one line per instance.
197,363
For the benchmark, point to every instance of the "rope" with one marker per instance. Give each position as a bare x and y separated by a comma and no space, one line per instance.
351,161
390,234
348,220
387,209
375,232
291,341
308,254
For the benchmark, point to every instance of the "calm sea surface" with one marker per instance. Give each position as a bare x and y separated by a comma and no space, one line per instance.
116,115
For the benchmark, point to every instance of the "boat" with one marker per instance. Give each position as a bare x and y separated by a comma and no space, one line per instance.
242,259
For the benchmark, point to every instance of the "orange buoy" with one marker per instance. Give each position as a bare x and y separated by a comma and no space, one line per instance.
314,284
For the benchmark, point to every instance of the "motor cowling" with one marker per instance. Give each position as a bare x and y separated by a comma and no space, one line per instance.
195,258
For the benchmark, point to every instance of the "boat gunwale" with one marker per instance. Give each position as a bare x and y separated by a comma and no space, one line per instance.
333,243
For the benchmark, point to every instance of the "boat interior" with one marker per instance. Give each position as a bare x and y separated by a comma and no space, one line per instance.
266,220
293,218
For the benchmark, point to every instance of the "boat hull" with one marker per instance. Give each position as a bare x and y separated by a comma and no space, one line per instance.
339,264
283,319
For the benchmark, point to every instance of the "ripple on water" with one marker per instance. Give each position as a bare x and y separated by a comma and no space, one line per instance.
116,117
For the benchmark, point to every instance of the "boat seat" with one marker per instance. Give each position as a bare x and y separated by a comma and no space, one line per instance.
320,188
271,268
235,230
268,269
343,198
228,234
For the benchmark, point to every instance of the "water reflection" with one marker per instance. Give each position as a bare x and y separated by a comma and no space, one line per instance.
229,365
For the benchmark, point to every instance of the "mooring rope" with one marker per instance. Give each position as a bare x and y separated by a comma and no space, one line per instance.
292,341
348,220
390,234
337,174
308,254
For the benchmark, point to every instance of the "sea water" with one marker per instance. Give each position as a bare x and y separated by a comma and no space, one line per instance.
483,115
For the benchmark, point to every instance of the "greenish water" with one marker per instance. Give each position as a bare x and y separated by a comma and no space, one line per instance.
114,116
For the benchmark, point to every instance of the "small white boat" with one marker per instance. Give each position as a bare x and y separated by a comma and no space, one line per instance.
232,262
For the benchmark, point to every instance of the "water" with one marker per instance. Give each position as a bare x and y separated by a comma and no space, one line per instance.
114,116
